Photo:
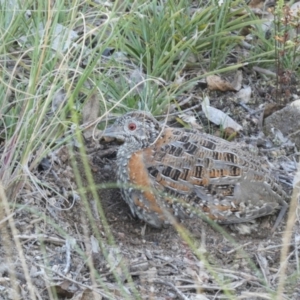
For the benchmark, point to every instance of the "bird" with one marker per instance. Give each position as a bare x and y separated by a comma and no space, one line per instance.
168,174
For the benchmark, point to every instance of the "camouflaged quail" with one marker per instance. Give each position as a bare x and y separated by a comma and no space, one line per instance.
168,172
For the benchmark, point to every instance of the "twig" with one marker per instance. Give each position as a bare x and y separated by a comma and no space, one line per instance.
75,282
239,247
180,295
68,257
42,237
264,71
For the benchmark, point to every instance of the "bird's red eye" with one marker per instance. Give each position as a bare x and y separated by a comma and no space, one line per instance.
132,126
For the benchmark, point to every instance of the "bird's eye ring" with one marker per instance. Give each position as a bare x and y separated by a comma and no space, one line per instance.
132,126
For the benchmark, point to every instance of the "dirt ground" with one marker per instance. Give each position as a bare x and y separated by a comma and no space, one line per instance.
72,251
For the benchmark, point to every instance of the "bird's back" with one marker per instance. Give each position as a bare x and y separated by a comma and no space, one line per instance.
194,173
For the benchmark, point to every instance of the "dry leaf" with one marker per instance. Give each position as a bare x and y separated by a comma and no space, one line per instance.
63,37
190,120
216,83
244,94
218,117
237,81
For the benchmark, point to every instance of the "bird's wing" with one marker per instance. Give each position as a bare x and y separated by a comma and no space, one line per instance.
208,172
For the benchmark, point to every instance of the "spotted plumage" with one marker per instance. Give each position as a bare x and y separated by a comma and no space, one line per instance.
166,173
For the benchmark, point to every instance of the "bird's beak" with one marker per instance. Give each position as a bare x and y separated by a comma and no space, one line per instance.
112,132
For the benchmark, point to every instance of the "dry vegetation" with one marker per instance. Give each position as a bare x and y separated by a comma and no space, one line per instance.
65,232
